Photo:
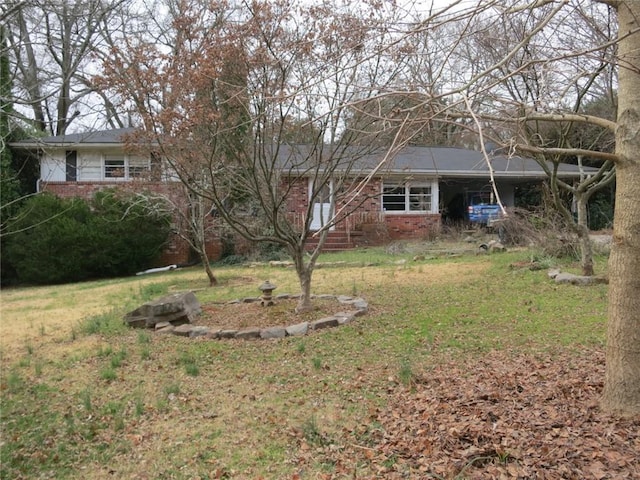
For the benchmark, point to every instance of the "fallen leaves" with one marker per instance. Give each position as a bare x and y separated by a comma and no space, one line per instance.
508,416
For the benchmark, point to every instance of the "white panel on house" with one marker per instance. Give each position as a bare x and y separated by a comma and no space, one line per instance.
52,168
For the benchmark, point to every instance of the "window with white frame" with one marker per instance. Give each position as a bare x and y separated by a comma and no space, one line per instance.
407,197
119,166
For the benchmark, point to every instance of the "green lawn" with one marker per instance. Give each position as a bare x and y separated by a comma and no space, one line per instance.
83,397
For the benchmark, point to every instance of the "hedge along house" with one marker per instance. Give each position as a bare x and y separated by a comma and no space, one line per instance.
408,197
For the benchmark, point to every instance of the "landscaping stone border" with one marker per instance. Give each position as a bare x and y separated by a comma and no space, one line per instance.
358,305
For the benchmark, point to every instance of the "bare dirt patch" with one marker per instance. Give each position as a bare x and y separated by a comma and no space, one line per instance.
235,316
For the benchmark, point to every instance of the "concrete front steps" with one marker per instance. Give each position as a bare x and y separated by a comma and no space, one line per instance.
337,241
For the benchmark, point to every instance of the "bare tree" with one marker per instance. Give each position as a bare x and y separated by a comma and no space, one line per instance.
266,75
531,85
52,46
491,83
192,219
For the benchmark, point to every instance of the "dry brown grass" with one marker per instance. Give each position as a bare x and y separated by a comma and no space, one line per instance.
246,413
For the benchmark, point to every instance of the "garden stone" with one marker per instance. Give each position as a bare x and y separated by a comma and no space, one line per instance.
273,332
247,334
183,330
326,322
176,309
345,317
212,334
227,333
297,330
578,279
360,304
199,331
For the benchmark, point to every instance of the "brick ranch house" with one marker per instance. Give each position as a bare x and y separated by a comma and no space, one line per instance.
409,198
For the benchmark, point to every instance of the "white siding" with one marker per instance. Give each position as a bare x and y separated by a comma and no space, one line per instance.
52,168
435,196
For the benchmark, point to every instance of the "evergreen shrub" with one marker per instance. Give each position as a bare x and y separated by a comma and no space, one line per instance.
60,240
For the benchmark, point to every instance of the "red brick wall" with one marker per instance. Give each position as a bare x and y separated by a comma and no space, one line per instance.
368,217
412,226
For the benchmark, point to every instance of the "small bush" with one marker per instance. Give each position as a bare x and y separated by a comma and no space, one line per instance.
545,230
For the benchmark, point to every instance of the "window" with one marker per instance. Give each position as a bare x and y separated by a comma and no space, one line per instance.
138,167
120,167
114,166
406,198
71,166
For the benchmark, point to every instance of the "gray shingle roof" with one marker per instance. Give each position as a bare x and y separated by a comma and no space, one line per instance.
440,161
98,137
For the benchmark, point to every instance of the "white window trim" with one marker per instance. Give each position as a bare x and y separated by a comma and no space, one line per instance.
433,184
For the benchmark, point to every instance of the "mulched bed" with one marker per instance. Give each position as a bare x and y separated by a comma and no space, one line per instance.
507,415
237,316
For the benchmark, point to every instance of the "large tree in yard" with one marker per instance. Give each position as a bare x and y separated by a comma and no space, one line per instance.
240,87
579,83
622,382
552,35
52,46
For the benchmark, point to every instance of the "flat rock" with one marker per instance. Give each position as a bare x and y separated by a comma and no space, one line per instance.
183,330
273,332
177,308
298,329
553,273
345,317
227,333
578,279
248,334
326,322
212,334
199,331
360,304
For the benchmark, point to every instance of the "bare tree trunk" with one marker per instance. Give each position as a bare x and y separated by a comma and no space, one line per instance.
582,229
204,258
304,272
622,378
304,303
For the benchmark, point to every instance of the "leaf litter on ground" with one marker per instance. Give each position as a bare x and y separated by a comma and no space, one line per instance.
503,415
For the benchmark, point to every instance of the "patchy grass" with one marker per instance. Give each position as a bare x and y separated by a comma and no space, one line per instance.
101,401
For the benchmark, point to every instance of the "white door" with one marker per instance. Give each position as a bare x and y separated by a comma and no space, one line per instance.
321,213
